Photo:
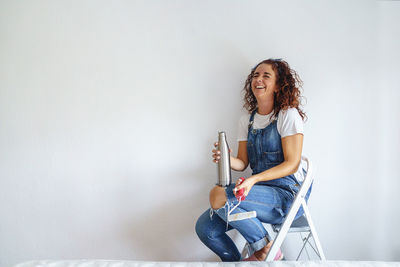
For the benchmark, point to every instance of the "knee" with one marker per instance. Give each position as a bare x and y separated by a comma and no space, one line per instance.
217,197
198,228
202,225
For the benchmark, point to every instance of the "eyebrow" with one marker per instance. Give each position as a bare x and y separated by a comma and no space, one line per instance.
264,73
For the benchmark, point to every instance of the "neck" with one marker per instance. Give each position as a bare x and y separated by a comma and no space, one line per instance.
265,108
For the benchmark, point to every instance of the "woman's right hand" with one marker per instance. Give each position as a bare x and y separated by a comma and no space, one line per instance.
216,153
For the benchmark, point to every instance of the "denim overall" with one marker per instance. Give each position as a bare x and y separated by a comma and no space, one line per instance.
264,149
270,199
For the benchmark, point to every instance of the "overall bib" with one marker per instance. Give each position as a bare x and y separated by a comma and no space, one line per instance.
264,149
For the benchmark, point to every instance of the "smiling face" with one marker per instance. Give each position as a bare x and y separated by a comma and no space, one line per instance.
263,83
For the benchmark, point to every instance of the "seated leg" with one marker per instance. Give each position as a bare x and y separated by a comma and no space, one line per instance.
212,232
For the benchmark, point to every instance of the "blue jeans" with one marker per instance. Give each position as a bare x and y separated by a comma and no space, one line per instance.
271,204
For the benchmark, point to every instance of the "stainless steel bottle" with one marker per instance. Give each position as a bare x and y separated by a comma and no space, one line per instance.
224,163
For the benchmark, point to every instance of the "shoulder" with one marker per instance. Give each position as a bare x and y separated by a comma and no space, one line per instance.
243,127
244,118
289,122
290,113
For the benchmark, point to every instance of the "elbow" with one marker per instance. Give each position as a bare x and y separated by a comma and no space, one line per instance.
293,166
243,166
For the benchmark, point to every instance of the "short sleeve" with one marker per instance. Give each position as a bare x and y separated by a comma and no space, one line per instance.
290,122
243,127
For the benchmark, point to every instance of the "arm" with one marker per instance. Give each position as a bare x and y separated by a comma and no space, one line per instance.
241,161
292,147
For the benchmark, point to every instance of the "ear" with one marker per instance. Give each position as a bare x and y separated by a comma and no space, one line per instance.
276,90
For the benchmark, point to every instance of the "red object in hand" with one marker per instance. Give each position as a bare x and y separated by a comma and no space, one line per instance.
240,193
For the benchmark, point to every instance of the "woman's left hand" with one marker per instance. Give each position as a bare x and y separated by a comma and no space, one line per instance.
247,185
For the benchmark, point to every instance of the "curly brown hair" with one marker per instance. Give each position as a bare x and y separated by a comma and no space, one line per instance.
288,82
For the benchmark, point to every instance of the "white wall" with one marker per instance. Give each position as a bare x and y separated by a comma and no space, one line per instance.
108,111
387,182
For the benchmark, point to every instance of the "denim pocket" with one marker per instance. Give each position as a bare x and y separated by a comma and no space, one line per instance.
273,157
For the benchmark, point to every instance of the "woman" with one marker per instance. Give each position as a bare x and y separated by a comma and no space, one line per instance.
271,140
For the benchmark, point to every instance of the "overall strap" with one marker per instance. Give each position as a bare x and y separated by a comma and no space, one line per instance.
251,119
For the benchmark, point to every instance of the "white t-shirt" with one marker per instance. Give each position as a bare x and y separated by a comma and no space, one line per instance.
289,122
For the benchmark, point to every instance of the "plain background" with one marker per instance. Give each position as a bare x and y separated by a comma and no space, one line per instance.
108,112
